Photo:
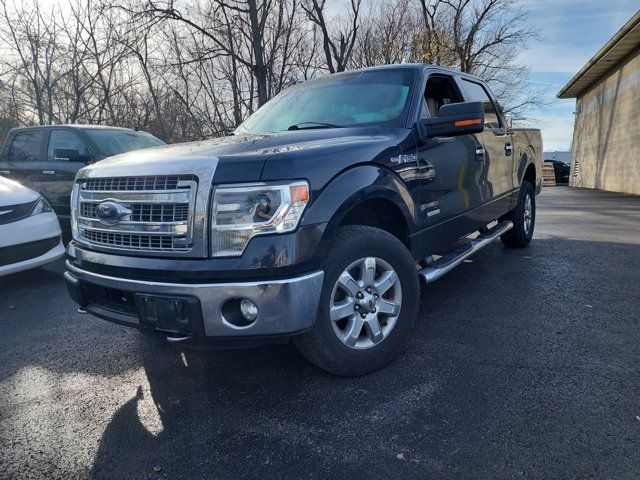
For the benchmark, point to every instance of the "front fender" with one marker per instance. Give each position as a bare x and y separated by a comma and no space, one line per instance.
355,186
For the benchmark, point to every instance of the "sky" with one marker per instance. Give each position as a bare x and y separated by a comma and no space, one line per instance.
571,32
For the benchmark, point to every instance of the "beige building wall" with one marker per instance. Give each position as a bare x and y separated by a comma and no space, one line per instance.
606,139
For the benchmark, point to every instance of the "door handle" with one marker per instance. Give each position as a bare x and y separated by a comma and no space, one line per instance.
479,153
507,149
49,172
4,172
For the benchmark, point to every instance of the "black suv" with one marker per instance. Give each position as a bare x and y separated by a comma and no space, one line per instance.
47,158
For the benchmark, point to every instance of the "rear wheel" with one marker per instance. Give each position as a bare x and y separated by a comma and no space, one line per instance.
523,218
368,303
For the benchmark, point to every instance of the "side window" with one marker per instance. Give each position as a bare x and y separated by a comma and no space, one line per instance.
440,90
477,93
65,145
25,146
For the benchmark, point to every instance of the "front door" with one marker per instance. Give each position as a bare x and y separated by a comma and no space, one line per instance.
452,181
66,154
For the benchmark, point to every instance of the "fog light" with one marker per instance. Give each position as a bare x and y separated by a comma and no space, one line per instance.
248,309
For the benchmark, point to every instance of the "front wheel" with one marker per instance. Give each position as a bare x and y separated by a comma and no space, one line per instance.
368,303
523,218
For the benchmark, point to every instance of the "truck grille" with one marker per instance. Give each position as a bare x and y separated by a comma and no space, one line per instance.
155,214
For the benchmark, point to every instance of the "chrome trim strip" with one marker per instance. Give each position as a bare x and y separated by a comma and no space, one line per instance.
130,222
147,196
124,283
140,228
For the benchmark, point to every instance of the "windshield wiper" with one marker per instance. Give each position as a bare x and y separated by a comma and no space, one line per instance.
300,126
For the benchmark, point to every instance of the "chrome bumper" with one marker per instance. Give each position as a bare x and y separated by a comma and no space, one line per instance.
284,306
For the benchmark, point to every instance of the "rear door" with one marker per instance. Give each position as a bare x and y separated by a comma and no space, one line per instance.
22,159
452,181
498,160
66,153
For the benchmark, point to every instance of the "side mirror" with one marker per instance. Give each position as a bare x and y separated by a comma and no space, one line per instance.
70,155
453,119
65,155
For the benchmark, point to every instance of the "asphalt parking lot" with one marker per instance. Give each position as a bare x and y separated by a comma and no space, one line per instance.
525,364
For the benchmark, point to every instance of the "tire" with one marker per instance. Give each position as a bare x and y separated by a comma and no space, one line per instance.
523,218
329,344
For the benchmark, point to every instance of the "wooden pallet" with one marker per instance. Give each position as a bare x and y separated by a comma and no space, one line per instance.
548,175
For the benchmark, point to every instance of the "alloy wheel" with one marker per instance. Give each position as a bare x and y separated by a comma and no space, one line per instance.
528,214
365,303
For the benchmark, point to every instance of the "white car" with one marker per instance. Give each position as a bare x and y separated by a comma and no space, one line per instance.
29,230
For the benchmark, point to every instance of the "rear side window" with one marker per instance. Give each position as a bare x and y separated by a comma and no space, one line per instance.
477,93
65,145
114,142
25,146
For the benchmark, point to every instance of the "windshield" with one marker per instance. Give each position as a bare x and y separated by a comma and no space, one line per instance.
114,142
374,97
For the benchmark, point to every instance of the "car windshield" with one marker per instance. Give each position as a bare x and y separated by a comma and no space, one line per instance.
114,142
374,97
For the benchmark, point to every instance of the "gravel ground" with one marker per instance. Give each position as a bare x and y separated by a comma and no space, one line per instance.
524,365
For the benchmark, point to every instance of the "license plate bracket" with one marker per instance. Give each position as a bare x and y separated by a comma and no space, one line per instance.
170,314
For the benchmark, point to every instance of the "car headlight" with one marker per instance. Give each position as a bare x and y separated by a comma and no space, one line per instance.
42,206
240,212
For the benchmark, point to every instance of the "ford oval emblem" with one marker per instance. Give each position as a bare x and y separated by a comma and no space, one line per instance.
110,212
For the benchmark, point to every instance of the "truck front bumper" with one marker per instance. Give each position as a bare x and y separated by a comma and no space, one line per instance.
285,306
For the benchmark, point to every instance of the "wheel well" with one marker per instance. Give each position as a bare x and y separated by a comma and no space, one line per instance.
382,214
530,175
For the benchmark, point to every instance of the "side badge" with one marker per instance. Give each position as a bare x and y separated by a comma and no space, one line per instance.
404,158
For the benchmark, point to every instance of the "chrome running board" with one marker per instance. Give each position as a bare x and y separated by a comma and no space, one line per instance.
443,265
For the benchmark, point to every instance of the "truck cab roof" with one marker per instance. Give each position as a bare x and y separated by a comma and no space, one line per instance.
415,66
72,126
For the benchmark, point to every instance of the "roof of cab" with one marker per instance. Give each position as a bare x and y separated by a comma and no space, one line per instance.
75,125
415,66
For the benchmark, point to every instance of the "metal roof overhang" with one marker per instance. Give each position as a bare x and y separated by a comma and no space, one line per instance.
621,44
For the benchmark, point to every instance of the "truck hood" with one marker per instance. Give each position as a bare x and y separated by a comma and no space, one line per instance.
237,158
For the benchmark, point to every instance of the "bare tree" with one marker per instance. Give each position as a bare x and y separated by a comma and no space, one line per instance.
35,49
337,51
192,69
390,33
482,37
206,20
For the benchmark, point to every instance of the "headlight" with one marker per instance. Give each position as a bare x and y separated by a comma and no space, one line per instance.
240,212
41,207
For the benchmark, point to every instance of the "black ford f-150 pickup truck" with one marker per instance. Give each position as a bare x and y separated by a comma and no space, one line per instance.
314,222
